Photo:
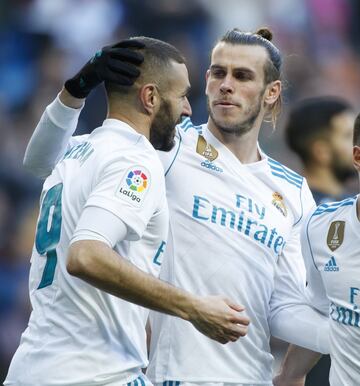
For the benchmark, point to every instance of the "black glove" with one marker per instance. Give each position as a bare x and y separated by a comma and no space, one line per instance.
115,63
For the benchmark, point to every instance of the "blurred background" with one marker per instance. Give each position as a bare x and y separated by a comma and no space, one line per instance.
45,41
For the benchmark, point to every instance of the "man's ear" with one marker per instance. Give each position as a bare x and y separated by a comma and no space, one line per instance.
272,92
207,75
149,98
356,157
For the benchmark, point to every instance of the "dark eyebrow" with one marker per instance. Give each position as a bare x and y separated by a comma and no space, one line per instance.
244,70
216,67
237,69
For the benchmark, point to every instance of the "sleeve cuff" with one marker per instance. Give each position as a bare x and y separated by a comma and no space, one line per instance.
63,116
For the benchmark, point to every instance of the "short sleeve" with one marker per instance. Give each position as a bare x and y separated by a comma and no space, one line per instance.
130,189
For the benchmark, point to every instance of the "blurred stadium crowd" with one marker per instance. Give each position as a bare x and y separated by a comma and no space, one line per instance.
43,42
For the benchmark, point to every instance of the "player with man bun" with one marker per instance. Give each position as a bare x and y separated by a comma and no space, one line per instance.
235,219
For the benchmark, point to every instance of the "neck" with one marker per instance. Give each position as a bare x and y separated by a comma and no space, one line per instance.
129,114
244,147
323,180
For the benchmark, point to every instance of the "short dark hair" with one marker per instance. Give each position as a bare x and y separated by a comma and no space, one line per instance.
310,120
272,70
158,56
356,137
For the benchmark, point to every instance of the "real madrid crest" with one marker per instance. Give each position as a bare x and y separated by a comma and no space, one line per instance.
335,236
205,149
278,202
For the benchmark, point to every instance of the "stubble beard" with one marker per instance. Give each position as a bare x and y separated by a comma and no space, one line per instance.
162,130
238,128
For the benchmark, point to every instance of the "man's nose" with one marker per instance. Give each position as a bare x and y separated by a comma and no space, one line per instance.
227,85
187,108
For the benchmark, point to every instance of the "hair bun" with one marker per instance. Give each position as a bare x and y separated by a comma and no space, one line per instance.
265,33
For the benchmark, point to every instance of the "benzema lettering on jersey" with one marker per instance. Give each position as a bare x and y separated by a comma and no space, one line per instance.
134,185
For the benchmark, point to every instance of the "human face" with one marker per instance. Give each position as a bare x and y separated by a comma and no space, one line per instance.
341,144
235,87
173,105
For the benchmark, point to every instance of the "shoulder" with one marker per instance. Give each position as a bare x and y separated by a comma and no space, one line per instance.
332,209
188,127
318,221
282,172
188,133
117,149
294,187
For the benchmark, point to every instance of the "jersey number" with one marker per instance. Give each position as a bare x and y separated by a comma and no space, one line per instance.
48,232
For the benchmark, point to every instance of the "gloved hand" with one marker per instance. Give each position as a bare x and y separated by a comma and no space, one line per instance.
117,63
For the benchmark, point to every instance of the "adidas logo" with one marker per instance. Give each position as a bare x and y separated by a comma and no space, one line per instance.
209,165
331,265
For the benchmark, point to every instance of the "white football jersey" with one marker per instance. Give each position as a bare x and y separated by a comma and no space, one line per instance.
77,334
331,248
234,231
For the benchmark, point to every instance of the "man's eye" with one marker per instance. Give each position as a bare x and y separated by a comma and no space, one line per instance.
243,76
218,73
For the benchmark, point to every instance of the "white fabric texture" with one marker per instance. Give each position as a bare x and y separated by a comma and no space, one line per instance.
101,225
234,231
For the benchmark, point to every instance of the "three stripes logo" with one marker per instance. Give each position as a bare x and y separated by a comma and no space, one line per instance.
331,265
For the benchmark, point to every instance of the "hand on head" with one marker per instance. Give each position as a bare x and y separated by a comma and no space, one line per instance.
116,63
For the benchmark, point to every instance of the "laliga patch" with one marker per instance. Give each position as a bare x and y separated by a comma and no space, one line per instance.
134,185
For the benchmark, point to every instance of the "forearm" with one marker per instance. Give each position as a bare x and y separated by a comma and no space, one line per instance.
103,268
68,100
296,365
301,325
52,134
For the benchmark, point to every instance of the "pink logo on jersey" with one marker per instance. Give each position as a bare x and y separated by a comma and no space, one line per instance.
137,180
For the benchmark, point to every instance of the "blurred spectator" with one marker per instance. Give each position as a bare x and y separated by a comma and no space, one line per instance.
320,132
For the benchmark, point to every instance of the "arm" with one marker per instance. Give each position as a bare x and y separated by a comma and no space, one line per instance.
110,218
293,317
99,265
299,361
51,137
